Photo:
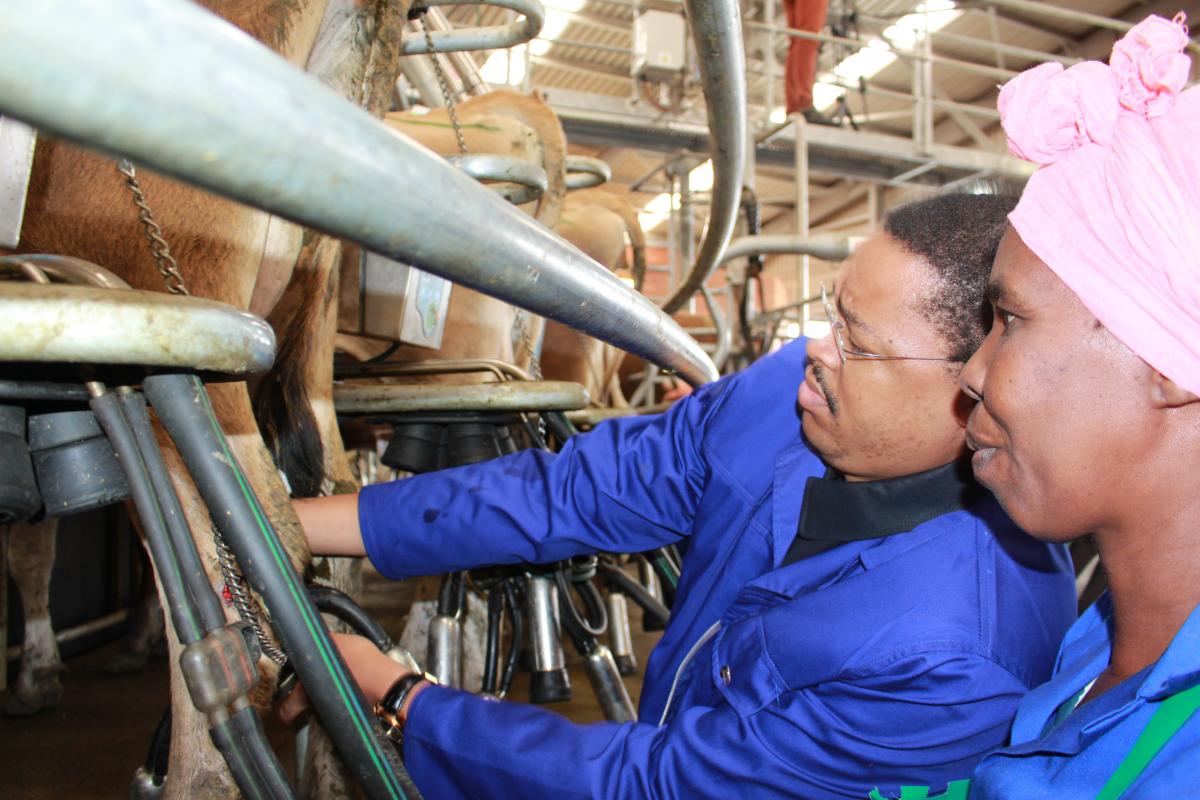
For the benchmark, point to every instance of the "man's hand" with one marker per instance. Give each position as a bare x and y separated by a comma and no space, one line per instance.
373,671
331,525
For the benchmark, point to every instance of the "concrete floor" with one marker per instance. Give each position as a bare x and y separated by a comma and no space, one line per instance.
91,744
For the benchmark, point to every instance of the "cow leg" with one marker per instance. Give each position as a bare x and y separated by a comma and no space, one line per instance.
149,630
31,561
196,769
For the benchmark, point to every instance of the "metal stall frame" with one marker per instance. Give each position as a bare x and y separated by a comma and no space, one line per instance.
233,117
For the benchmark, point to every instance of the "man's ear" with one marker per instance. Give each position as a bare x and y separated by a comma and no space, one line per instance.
1166,393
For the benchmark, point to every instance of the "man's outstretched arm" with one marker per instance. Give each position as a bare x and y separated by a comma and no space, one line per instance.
630,485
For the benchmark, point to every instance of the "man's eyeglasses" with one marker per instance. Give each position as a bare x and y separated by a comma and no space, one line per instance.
837,326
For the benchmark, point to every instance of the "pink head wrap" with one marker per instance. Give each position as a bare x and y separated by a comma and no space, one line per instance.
1114,209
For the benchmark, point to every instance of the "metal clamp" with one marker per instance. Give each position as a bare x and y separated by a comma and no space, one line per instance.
219,669
85,325
584,172
530,179
497,37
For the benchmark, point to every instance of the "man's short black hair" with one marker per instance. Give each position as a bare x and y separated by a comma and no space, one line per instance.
957,235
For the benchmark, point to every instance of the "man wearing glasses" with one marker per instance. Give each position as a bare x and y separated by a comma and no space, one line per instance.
853,611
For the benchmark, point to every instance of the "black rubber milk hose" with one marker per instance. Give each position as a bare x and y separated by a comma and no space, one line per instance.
184,408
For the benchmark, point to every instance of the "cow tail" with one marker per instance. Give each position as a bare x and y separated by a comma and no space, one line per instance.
282,402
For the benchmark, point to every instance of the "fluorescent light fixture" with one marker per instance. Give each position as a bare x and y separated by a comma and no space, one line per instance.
905,34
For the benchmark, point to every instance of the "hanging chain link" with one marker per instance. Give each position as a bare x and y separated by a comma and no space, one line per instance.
154,235
235,582
444,84
243,601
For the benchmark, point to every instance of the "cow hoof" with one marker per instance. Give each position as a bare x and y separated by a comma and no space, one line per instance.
26,704
125,662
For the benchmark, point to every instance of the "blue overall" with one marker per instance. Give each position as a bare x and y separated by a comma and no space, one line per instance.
879,662
1063,754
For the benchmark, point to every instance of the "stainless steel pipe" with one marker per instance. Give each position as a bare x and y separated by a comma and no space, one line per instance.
233,117
495,37
717,33
606,682
584,172
825,246
531,181
444,658
724,331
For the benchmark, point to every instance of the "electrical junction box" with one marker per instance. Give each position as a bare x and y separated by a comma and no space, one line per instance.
402,303
659,45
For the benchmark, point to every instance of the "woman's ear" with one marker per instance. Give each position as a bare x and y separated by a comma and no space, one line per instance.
1166,393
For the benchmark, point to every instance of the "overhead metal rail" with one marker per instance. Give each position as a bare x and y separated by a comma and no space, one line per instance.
588,119
233,117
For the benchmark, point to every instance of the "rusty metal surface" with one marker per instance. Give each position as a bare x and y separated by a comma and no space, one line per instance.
510,396
85,325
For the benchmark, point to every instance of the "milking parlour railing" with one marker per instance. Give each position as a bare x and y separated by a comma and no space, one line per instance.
176,89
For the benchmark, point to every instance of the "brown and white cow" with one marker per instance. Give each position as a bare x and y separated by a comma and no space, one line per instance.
79,206
477,326
606,227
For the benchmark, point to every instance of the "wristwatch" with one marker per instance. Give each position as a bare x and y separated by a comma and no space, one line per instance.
388,707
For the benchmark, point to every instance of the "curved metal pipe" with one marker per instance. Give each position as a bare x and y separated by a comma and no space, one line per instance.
724,332
530,179
584,172
66,269
236,119
825,246
496,37
463,64
717,33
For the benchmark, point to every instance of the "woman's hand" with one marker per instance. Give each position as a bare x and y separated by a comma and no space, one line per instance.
373,671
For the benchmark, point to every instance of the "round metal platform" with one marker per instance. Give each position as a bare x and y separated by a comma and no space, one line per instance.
85,325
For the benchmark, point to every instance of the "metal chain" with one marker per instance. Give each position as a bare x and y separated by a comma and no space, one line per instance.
235,582
154,235
444,84
243,601
535,369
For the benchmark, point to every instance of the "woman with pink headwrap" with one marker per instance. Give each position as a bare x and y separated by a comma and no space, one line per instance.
1089,416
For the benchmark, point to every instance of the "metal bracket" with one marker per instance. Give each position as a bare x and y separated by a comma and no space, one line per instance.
219,669
496,37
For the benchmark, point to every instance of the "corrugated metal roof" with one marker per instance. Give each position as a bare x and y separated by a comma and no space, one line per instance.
590,55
